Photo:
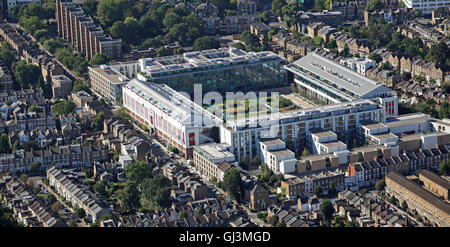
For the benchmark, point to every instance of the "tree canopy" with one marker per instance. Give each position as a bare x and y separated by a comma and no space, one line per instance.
63,107
138,171
326,210
233,184
26,75
205,42
99,58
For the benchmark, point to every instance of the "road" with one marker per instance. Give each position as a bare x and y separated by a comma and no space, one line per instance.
401,211
179,160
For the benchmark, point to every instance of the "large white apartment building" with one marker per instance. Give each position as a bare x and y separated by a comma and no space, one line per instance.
169,114
426,6
326,82
295,127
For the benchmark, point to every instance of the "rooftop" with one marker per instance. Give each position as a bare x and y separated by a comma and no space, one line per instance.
272,142
200,60
419,191
215,152
173,103
110,74
435,178
324,134
339,76
407,119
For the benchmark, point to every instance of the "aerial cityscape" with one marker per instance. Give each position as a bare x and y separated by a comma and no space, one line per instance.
225,113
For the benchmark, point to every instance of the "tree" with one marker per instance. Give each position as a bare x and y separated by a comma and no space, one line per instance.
50,199
404,206
99,58
100,187
171,19
89,172
35,167
31,23
205,43
318,190
35,108
110,11
305,152
375,5
332,44
233,184
155,194
128,197
273,220
80,213
25,74
256,161
265,17
393,200
90,7
439,53
97,121
200,210
6,218
138,171
80,86
239,46
380,184
5,144
183,214
290,12
173,149
444,168
162,51
249,39
319,5
6,54
63,107
245,162
444,110
327,211
376,57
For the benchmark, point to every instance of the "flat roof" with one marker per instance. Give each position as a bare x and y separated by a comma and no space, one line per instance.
110,74
338,74
333,144
383,136
281,152
272,142
324,133
155,67
407,119
215,151
173,103
374,126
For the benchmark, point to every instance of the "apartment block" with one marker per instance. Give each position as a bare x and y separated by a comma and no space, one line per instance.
212,160
61,86
295,127
429,206
435,183
303,186
78,28
107,81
